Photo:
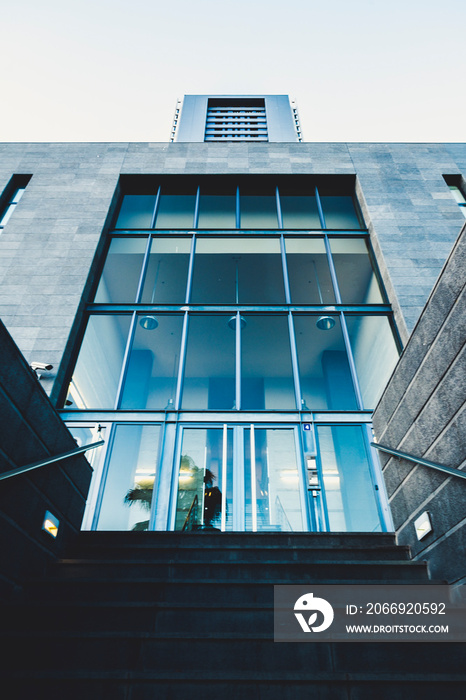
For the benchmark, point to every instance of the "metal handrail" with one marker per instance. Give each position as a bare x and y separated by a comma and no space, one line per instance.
51,460
192,509
419,460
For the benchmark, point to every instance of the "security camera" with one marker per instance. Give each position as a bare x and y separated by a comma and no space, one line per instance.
41,366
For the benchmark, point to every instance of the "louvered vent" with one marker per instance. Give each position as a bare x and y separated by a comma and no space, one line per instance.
236,120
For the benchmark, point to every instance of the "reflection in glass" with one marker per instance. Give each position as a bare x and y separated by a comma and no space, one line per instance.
324,371
129,483
348,489
136,211
209,378
97,372
122,270
258,211
204,499
238,270
175,211
356,278
217,211
152,373
308,271
375,354
266,373
272,494
339,212
299,212
167,271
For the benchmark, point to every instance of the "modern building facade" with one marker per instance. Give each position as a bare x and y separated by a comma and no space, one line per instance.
225,314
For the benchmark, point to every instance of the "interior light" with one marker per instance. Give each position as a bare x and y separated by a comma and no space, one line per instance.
185,476
150,323
50,524
325,323
423,525
232,322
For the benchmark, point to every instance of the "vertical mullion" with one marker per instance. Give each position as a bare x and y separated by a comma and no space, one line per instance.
286,279
333,272
238,362
279,208
224,478
179,384
238,210
352,364
252,443
124,367
319,209
190,269
156,209
294,363
145,264
196,208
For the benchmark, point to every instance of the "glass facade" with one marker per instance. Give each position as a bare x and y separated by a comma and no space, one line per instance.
252,358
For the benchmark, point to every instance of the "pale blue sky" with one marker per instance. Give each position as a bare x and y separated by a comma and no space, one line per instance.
109,70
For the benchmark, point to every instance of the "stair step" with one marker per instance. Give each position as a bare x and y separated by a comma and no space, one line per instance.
257,686
244,554
219,570
245,652
242,540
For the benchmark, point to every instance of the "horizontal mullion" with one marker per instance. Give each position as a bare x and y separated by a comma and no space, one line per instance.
381,309
256,232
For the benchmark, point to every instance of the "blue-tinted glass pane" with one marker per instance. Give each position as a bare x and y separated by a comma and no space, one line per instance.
96,376
272,484
167,271
308,271
243,270
339,213
176,211
209,380
324,371
153,364
217,211
375,354
356,278
299,212
129,485
122,270
136,211
205,483
258,211
266,373
349,494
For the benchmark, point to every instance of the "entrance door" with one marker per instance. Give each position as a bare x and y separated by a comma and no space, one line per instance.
241,478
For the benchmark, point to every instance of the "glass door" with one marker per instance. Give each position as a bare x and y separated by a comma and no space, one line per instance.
239,478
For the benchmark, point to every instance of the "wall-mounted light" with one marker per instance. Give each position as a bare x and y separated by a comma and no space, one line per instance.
423,525
50,524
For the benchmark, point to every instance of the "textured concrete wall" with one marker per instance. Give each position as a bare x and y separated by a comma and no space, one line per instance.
47,248
31,430
423,412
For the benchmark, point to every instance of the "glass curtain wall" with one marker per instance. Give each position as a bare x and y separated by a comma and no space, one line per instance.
234,298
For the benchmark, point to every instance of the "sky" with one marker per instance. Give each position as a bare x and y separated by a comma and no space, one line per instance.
112,70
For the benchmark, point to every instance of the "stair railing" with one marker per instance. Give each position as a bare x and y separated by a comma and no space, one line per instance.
51,460
192,515
419,460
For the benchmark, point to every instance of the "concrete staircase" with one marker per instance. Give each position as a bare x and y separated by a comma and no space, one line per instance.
145,616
